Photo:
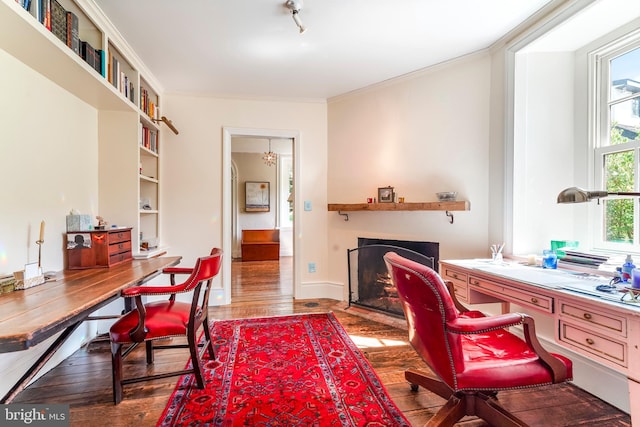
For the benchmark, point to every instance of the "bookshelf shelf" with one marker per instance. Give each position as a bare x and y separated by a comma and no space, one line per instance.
128,138
18,29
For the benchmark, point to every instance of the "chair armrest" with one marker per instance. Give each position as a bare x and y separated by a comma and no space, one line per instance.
558,368
150,290
452,291
478,325
177,270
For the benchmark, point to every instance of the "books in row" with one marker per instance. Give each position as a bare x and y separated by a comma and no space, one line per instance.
64,25
119,79
149,139
583,258
147,103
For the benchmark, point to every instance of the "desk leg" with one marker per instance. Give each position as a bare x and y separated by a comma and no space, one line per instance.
42,360
634,406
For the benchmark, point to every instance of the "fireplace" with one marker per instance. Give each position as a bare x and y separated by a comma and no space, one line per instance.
369,282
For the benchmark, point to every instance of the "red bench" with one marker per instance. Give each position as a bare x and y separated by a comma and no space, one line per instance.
260,245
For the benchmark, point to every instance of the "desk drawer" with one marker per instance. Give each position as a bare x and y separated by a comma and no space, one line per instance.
512,294
597,345
116,258
607,322
459,281
119,236
117,248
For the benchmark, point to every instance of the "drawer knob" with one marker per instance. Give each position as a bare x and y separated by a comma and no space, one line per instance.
534,300
590,341
587,316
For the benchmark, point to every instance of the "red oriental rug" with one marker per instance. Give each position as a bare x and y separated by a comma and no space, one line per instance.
300,370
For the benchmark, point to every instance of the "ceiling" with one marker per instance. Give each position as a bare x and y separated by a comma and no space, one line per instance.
252,48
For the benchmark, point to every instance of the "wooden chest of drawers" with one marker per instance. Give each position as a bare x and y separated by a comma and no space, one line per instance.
98,249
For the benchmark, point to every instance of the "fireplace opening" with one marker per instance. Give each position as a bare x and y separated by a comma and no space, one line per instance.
369,282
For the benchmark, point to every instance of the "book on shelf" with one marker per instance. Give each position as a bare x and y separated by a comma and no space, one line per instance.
59,21
45,11
98,58
73,40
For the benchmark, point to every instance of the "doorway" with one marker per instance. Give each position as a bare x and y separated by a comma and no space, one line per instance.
284,203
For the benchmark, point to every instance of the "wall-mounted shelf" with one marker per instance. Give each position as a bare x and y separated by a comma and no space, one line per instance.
462,205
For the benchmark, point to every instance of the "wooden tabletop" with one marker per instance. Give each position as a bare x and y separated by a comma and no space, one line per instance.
30,316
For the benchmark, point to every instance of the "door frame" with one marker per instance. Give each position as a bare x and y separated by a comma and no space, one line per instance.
228,133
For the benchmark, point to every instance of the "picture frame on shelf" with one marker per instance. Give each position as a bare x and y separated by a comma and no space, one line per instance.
256,196
385,195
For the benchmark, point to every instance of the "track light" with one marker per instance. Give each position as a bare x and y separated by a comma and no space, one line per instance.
295,6
167,122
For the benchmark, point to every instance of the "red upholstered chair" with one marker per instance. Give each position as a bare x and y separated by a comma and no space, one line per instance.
164,319
472,356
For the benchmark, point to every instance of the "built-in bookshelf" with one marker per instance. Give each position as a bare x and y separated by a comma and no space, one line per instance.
87,57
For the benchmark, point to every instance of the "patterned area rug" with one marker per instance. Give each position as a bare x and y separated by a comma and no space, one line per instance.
300,370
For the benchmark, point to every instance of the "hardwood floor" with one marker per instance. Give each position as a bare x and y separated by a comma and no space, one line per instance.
264,289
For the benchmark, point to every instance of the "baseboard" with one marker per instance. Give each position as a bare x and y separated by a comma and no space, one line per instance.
310,290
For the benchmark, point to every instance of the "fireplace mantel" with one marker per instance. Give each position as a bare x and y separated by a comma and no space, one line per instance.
462,205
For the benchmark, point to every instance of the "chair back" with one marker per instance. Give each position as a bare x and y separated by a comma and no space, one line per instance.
427,306
200,281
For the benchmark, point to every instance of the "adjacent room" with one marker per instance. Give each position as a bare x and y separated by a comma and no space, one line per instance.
225,182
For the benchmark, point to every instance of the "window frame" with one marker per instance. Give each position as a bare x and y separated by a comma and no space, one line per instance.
601,105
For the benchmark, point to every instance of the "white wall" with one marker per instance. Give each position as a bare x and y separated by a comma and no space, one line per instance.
425,133
192,173
49,152
543,153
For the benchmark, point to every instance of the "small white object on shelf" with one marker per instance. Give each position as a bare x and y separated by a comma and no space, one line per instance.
447,196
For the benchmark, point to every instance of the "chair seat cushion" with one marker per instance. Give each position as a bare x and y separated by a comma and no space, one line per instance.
163,319
500,360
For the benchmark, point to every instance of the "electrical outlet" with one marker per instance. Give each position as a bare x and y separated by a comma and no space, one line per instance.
307,205
312,267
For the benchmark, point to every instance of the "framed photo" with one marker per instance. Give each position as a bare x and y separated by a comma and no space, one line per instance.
78,240
385,195
256,196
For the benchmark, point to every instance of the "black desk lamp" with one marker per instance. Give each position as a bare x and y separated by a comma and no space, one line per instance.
578,195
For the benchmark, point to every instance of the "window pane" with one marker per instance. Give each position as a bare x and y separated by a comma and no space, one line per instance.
619,221
625,75
625,121
618,171
619,215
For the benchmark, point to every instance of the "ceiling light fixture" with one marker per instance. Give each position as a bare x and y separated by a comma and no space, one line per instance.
295,6
270,157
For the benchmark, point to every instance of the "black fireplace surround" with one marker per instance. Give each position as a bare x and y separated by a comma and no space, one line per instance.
369,282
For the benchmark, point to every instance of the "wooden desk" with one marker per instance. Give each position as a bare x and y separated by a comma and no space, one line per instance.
594,324
30,316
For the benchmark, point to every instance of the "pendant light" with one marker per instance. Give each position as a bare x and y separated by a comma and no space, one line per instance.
270,157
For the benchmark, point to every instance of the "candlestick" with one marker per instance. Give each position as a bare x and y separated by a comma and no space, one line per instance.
39,242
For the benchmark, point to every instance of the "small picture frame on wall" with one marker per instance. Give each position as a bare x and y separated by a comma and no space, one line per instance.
256,196
385,195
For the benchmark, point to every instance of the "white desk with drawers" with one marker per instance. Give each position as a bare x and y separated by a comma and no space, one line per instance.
598,325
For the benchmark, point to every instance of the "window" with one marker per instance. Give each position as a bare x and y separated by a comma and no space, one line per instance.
617,145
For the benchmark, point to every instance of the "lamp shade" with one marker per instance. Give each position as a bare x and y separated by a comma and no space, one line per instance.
578,195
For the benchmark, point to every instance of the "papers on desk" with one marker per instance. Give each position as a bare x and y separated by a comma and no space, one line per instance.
534,275
556,279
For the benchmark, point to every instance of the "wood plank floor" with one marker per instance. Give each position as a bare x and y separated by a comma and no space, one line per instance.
264,289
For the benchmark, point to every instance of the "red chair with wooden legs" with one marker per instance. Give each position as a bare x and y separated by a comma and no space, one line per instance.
473,356
165,319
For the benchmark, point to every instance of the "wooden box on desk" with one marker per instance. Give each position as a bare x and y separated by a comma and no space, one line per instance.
98,248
